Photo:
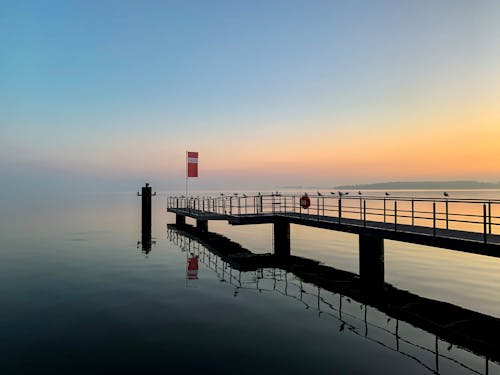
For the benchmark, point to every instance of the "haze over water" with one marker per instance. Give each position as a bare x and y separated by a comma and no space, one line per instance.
78,295
99,97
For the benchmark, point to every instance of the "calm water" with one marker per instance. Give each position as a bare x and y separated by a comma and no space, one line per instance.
78,295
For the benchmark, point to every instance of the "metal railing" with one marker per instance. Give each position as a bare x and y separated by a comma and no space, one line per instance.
471,215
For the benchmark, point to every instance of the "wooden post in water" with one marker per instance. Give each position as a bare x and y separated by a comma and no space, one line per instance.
146,195
146,206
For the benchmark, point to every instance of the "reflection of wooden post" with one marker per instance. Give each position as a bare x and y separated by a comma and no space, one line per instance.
371,261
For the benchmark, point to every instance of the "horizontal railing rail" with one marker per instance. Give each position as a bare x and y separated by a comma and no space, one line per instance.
470,215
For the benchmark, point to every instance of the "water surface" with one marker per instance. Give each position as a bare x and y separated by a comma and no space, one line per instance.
79,295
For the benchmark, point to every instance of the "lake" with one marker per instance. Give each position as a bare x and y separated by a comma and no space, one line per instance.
79,295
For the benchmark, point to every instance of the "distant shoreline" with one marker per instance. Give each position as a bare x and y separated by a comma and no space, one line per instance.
411,185
407,185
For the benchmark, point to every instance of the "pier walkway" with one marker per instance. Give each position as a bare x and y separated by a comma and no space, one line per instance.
467,225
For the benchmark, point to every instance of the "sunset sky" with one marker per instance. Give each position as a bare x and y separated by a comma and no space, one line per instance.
268,92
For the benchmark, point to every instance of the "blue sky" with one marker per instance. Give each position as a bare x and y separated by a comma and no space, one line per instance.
86,84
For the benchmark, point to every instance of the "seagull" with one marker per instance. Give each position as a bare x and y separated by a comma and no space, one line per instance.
221,194
319,194
359,193
346,193
235,194
332,193
446,194
387,194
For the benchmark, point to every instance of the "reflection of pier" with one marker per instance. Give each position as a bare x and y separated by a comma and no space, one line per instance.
382,316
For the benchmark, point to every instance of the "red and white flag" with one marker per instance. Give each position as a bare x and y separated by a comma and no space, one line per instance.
192,164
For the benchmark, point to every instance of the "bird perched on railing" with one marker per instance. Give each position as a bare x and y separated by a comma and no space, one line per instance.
446,194
332,193
359,193
387,194
319,194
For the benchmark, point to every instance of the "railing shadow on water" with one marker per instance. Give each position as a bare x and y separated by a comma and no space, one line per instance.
385,318
472,215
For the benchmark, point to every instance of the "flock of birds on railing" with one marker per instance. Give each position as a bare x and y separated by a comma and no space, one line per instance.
277,194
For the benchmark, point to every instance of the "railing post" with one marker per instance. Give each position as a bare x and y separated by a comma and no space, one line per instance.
434,218
395,215
489,217
484,223
446,213
360,210
239,206
384,209
230,205
272,201
323,205
293,202
412,212
177,203
340,209
364,212
317,207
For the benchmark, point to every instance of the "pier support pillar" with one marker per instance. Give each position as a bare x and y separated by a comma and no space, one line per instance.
371,262
281,232
180,219
202,226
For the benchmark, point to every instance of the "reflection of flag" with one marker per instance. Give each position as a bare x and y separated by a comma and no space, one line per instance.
192,164
192,271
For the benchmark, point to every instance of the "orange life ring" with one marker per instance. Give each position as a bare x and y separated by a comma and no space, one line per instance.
305,202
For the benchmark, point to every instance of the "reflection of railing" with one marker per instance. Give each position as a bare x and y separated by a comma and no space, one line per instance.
477,215
339,307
